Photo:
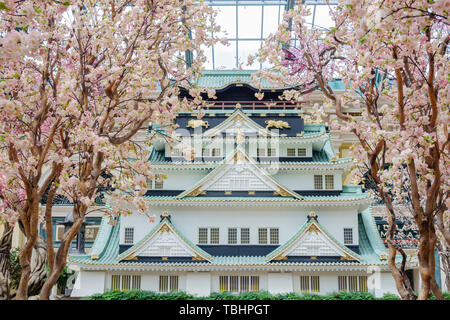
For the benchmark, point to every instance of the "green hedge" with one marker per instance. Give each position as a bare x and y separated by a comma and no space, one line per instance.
261,295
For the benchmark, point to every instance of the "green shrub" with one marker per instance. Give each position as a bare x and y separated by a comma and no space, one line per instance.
260,295
390,296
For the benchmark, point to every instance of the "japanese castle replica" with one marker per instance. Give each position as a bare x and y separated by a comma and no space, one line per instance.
261,207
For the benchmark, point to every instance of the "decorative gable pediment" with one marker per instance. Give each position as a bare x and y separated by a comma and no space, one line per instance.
238,172
239,121
164,241
313,241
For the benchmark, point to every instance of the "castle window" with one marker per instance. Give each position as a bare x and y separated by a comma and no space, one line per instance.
352,283
262,235
205,152
301,152
149,183
271,152
214,236
261,152
232,235
129,236
238,283
290,152
274,236
168,283
318,183
159,183
309,284
216,152
202,235
245,235
125,282
348,235
329,182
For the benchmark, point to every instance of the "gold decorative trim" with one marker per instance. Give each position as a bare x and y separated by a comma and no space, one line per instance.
165,228
227,193
197,258
383,256
251,193
262,115
334,159
94,256
282,115
313,258
164,258
281,257
279,124
131,257
300,134
195,123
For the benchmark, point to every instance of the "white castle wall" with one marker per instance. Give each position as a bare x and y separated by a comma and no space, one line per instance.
204,283
288,219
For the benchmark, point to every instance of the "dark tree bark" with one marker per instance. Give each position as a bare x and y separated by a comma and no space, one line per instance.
5,249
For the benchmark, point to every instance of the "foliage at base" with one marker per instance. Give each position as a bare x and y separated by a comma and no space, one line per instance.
261,295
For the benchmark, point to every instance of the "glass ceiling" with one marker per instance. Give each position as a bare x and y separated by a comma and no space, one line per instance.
246,23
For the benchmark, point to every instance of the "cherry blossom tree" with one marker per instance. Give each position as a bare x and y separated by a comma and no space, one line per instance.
393,57
80,81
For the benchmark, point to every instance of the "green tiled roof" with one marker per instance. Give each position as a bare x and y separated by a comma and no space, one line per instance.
158,157
370,244
150,234
217,79
307,223
343,196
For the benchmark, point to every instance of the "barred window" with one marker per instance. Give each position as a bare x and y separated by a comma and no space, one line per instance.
274,236
342,283
301,152
290,152
232,235
214,236
318,183
176,152
329,182
352,283
309,284
129,236
271,152
159,183
136,282
216,152
348,235
262,235
115,282
125,282
239,283
168,283
149,183
202,235
245,235
205,152
261,152
363,284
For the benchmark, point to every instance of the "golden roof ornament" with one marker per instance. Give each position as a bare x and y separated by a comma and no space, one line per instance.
279,124
239,137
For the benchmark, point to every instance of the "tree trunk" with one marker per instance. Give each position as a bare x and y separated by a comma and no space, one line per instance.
38,267
444,254
5,249
60,259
